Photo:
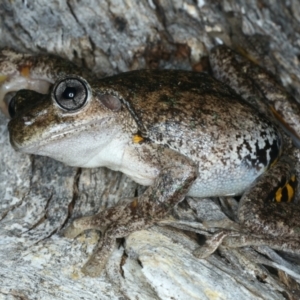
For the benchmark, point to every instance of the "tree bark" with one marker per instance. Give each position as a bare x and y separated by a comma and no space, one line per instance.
39,197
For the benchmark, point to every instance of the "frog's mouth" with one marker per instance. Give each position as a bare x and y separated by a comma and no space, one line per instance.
30,139
83,146
57,141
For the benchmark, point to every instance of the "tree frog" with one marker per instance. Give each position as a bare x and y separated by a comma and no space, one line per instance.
178,132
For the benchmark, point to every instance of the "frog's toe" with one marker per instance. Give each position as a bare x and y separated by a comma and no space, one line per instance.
72,231
82,224
211,245
97,262
93,268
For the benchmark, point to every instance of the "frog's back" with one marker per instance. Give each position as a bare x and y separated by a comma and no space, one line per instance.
203,119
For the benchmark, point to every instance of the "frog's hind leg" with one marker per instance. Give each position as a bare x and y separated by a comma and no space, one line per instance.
267,207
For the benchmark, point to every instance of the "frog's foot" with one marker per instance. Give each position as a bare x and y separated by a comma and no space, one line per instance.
211,245
97,261
115,222
98,221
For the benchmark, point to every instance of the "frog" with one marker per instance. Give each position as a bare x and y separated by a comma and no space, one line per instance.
180,133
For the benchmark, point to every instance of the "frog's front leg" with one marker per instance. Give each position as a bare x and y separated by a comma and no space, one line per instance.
176,175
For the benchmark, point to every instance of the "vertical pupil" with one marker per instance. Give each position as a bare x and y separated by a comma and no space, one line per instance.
69,93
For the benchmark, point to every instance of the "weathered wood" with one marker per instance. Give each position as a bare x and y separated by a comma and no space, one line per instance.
39,196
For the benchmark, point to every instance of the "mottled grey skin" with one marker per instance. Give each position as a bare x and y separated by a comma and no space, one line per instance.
258,87
181,133
190,113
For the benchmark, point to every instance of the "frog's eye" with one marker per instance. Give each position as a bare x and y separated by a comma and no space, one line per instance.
71,94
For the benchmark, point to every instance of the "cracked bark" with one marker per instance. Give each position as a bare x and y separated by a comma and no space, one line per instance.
39,196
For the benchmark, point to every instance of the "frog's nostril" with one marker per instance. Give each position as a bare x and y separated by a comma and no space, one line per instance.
12,107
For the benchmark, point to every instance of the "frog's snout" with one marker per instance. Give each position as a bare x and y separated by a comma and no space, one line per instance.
16,103
23,101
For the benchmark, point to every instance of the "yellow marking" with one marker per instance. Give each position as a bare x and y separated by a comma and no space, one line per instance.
278,195
2,78
290,192
25,71
137,138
